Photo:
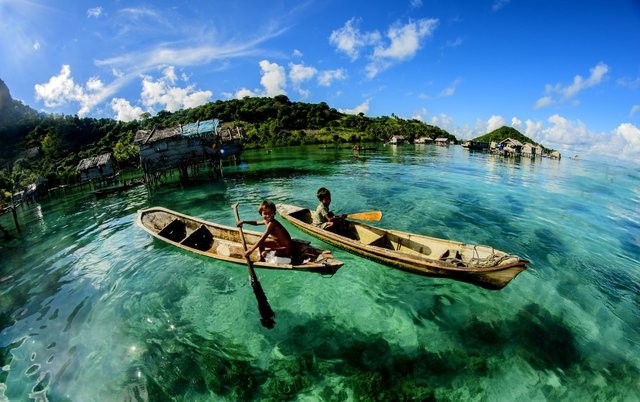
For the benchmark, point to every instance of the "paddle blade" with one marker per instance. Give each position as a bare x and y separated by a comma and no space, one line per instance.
366,216
267,316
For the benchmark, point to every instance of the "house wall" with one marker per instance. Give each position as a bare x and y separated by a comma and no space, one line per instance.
174,152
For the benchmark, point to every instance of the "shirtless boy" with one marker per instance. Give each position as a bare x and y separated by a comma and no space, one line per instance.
275,236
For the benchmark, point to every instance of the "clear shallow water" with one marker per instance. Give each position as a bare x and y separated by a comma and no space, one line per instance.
93,309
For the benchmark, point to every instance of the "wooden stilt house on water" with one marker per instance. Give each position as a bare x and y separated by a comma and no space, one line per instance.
97,168
185,147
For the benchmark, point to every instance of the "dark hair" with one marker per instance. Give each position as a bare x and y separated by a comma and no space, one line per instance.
266,204
323,193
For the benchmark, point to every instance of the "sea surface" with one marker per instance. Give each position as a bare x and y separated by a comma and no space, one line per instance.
92,308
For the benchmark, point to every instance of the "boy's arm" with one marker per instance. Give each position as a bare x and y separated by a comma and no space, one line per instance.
259,242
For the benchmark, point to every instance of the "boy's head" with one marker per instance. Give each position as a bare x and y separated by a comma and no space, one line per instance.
267,205
323,193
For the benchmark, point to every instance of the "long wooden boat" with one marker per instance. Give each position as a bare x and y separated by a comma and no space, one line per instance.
224,243
483,266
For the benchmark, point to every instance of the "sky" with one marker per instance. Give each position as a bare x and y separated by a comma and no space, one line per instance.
564,73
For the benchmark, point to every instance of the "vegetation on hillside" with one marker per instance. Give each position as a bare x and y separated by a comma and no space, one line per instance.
51,146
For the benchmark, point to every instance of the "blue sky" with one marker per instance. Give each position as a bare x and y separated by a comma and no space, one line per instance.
564,73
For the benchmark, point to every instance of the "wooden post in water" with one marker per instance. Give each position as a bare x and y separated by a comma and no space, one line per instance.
15,218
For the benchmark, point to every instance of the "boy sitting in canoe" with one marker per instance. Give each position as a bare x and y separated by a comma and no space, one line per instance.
324,218
275,237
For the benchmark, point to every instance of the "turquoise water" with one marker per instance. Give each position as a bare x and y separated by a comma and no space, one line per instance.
93,309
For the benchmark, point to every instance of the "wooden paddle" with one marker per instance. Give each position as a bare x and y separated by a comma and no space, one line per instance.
366,216
267,316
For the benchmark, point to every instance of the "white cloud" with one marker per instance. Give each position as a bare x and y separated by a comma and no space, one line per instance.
451,89
165,94
94,12
36,45
350,40
124,110
597,75
327,77
299,73
516,123
494,123
273,78
244,92
542,102
361,108
634,109
62,89
405,41
631,84
273,82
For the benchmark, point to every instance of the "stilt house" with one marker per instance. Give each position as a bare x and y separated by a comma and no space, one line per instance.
184,146
101,167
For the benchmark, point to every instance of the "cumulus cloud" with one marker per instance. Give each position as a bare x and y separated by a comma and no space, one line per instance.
273,82
62,89
349,39
494,123
404,43
361,108
298,73
124,111
401,42
165,94
327,77
559,93
94,12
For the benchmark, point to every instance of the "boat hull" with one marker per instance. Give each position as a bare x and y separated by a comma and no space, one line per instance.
224,243
479,265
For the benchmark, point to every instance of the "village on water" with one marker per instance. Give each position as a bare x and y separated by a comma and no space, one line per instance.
200,145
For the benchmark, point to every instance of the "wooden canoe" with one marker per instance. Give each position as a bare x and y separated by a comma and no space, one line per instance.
483,266
224,242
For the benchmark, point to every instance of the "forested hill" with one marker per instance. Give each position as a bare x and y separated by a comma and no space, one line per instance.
502,133
37,144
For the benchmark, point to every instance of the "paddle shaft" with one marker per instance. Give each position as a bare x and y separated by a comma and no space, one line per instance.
266,313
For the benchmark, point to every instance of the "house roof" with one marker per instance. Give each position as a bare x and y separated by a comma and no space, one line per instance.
511,141
191,129
94,161
200,127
